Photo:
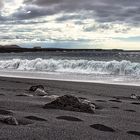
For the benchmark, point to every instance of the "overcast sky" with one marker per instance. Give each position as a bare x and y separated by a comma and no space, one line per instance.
71,23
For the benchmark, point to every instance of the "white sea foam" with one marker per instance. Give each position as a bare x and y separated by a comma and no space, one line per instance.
75,66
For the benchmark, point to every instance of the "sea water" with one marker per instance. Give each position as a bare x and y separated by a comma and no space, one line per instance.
90,66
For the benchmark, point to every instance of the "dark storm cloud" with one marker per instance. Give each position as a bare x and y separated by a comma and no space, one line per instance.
121,11
127,11
32,11
42,2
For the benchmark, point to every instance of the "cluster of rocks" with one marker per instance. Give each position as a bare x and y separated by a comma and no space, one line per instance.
39,90
66,102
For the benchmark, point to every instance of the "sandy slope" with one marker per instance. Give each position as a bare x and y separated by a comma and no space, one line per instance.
118,115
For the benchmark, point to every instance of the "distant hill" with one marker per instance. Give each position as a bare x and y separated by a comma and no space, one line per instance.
18,49
9,47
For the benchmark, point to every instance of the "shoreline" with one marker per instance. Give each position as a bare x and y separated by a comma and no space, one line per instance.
72,80
75,85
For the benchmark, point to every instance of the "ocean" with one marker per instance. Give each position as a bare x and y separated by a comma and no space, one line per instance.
111,67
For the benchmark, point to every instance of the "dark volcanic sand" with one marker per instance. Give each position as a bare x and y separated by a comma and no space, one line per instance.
113,119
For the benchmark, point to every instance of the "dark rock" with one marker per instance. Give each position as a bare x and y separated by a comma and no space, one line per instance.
34,88
71,103
38,90
9,120
133,96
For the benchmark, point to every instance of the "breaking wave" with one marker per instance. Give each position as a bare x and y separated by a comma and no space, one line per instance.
75,66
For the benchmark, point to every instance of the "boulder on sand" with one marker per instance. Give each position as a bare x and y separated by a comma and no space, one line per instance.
38,90
11,120
134,96
34,88
71,103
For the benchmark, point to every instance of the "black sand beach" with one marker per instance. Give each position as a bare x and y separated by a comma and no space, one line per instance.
117,116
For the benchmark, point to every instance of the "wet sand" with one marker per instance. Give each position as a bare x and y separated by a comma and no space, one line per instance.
117,117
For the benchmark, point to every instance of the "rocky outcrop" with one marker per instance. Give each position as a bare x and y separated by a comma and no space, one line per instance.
71,103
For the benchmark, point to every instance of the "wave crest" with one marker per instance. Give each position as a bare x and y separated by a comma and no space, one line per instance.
75,66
